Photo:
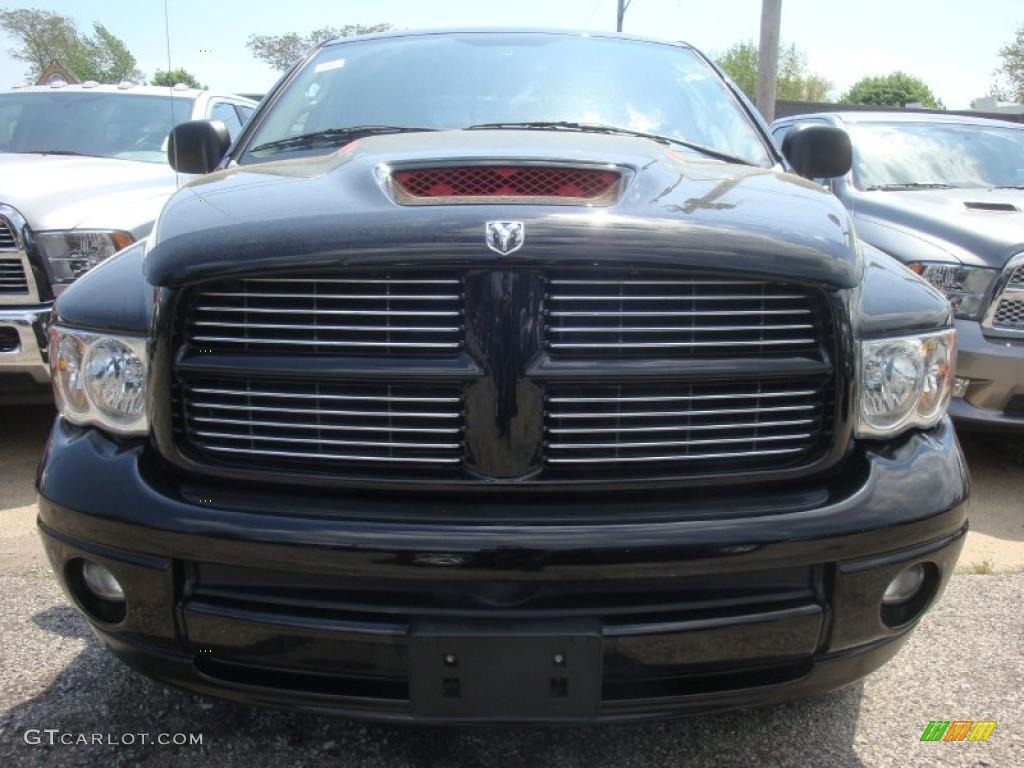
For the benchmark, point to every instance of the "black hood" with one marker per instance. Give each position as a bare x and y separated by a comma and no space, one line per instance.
679,210
978,227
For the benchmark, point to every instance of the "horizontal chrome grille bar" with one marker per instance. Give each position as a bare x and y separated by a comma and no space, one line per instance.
322,396
324,411
330,297
314,327
336,457
322,311
685,329
681,313
681,427
695,412
676,344
325,441
675,443
329,342
698,297
249,424
673,457
677,398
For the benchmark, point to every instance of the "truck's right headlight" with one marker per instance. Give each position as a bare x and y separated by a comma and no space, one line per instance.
100,379
905,382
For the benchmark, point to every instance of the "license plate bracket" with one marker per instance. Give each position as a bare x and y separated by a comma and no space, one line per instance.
546,671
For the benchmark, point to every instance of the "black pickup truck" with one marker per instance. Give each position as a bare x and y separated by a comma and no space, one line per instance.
503,377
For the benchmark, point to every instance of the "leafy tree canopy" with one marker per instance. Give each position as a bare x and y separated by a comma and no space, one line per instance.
1009,84
281,51
893,90
794,81
44,38
175,76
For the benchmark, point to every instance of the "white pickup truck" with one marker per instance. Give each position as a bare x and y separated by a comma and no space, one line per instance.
83,173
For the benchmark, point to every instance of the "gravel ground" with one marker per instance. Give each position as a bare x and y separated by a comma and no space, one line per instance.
966,661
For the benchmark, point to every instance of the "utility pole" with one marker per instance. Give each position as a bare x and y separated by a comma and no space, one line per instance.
768,57
623,7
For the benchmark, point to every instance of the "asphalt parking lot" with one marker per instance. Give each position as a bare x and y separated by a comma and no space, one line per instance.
966,661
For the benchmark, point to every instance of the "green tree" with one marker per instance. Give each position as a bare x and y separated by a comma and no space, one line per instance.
1010,75
794,81
281,51
175,76
893,90
44,38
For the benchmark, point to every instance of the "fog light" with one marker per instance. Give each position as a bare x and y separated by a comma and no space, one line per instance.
904,586
101,582
960,387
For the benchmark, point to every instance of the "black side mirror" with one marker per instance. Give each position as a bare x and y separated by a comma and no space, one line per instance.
197,146
818,151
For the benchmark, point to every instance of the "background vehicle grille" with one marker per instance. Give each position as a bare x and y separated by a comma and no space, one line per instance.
7,241
686,428
13,280
625,315
379,314
1010,314
1017,278
302,426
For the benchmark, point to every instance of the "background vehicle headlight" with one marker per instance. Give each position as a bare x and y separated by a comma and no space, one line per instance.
100,379
905,382
965,287
73,253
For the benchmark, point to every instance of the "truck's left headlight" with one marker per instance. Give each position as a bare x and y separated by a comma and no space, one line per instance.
905,382
72,253
100,379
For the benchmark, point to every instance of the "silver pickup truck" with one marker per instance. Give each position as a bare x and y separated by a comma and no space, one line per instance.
83,173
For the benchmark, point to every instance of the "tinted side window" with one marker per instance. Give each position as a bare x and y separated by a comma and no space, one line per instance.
225,112
244,113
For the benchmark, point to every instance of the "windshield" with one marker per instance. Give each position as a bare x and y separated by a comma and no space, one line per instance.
123,126
937,154
458,81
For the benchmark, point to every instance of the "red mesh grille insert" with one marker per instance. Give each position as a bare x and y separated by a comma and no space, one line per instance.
503,181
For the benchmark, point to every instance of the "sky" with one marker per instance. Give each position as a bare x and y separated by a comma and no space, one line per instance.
953,46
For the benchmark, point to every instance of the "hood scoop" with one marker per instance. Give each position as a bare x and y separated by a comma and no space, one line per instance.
992,207
507,184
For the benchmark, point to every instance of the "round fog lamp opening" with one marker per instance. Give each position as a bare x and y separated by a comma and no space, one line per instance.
101,582
906,584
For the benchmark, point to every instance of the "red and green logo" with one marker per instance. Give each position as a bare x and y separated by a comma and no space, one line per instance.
958,730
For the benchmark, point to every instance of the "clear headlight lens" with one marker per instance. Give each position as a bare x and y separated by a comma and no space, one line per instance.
965,287
73,253
905,382
100,379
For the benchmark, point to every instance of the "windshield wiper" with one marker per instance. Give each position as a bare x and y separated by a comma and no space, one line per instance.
568,125
334,136
1008,186
910,185
54,152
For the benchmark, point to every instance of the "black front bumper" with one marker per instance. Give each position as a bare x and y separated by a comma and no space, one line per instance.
321,602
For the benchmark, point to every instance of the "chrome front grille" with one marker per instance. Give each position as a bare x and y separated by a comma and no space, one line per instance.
375,314
685,428
491,377
7,240
655,316
304,426
13,280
